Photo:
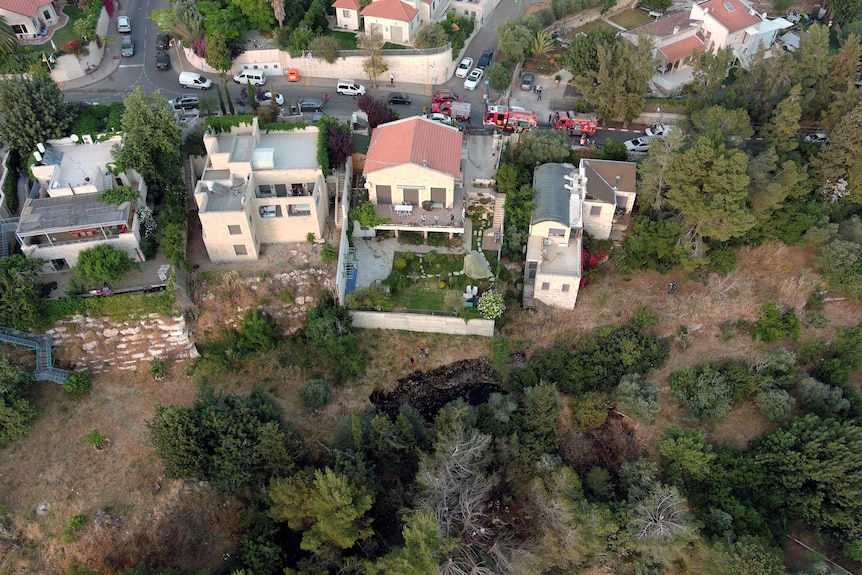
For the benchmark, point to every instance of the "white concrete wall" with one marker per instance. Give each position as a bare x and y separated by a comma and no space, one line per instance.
423,323
127,242
347,19
411,176
427,68
598,226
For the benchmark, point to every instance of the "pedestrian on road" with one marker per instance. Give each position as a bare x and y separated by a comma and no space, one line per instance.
539,90
550,118
424,109
391,79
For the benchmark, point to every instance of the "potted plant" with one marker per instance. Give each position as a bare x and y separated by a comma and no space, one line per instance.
557,78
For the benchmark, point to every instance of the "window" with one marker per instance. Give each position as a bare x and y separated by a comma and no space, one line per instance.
728,6
19,28
240,250
546,286
565,288
234,230
299,210
345,13
557,232
622,202
46,15
595,210
270,211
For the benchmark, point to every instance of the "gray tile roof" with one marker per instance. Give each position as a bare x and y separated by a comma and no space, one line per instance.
605,175
65,213
551,202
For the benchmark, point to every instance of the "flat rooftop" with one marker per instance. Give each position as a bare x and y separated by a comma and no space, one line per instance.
556,259
292,149
79,164
48,215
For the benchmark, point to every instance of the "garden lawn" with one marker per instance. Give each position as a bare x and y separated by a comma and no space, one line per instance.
597,25
424,296
346,40
67,33
630,18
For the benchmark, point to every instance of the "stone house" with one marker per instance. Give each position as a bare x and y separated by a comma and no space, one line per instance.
63,214
395,20
596,197
29,19
260,189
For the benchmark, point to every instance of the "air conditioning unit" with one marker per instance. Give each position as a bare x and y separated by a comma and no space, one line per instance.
547,241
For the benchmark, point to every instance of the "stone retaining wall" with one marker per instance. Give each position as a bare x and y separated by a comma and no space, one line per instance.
424,323
99,344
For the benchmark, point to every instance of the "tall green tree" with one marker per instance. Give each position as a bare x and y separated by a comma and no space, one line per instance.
498,76
8,40
780,132
542,146
841,160
652,183
259,13
33,111
731,127
515,40
431,35
103,264
373,64
618,87
762,86
152,142
710,71
582,55
327,508
187,22
810,69
422,550
218,52
708,184
772,182
16,412
21,304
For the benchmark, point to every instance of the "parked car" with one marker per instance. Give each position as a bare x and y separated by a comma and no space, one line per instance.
311,105
445,96
163,41
349,88
473,79
527,81
485,59
438,117
163,61
127,45
267,98
186,102
464,67
399,98
817,139
124,25
292,75
657,130
637,145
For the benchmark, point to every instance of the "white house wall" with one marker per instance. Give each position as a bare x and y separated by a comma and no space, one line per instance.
411,176
554,294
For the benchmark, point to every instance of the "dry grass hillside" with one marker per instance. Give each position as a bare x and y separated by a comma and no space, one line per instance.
141,516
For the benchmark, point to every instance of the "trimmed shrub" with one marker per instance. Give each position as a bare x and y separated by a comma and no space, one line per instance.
775,404
315,393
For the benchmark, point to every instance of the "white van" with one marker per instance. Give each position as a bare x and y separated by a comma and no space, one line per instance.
195,80
256,77
350,88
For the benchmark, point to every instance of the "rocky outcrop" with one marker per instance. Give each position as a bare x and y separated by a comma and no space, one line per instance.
99,344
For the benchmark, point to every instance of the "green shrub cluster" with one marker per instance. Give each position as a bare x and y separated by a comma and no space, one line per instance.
773,325
78,383
315,393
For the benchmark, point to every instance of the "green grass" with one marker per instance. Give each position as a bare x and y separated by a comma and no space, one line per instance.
67,32
391,46
424,296
346,40
597,25
631,18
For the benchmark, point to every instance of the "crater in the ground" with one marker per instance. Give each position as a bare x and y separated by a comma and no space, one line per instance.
471,379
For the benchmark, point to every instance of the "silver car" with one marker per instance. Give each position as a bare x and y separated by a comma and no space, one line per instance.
127,45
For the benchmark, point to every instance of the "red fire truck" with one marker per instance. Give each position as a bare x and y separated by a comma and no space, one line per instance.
457,110
510,119
576,123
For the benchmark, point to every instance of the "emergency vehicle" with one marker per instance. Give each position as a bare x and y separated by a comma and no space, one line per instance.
576,123
510,119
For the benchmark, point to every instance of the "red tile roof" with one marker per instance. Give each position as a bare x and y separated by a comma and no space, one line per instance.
25,7
679,50
349,4
415,141
391,10
731,14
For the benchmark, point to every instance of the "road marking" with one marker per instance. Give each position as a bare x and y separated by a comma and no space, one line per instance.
130,66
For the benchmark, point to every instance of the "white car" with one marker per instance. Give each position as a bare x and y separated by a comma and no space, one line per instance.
473,79
637,145
438,117
817,139
464,67
267,97
657,130
124,24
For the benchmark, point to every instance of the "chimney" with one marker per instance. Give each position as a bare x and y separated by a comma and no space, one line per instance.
676,30
617,185
425,163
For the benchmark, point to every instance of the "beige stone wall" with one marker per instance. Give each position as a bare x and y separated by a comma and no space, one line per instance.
555,295
423,323
218,239
101,344
409,175
428,69
542,229
598,226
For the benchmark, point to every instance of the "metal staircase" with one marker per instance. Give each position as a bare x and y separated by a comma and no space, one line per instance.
42,345
350,263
